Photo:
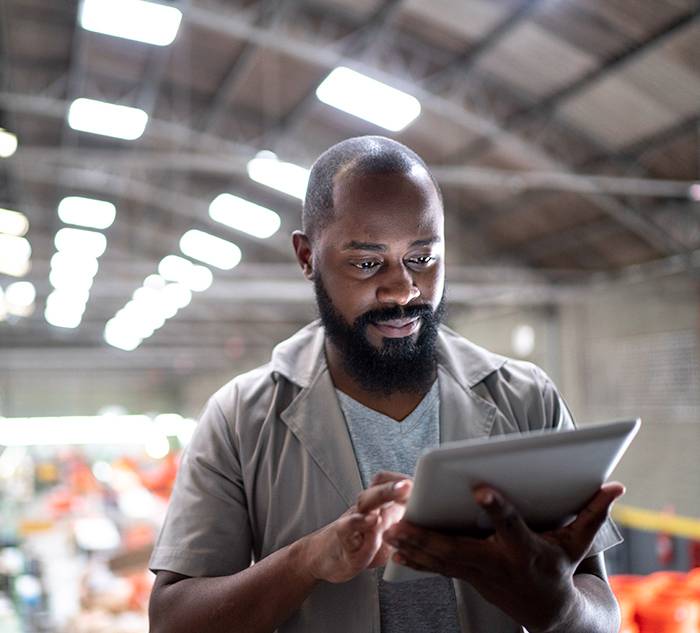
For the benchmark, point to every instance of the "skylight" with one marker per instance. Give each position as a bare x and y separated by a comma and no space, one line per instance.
88,212
243,215
210,249
368,99
288,178
137,20
107,119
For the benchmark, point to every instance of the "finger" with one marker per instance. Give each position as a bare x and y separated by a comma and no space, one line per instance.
383,476
583,529
405,536
505,518
376,496
354,529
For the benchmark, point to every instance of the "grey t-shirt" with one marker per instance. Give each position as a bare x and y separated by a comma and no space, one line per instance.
382,443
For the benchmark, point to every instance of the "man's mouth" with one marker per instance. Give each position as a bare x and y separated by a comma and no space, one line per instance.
397,328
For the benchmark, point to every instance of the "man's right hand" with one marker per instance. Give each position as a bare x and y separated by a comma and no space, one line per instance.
339,551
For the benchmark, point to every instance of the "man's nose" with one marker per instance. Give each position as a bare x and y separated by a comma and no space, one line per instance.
397,287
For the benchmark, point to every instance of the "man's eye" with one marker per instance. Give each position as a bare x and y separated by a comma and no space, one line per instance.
422,260
368,265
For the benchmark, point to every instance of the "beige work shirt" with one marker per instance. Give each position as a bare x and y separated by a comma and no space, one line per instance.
271,460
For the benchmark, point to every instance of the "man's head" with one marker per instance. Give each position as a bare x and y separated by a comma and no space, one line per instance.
373,244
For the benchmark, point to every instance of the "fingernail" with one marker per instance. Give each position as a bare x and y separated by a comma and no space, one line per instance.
485,497
400,485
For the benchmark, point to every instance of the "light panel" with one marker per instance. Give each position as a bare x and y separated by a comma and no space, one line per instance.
8,143
87,243
243,215
19,298
87,212
210,249
13,223
368,99
288,178
178,269
15,254
147,22
107,119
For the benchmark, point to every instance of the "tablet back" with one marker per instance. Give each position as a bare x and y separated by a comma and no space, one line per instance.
548,476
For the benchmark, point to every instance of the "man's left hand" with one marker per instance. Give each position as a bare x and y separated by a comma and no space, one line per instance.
528,575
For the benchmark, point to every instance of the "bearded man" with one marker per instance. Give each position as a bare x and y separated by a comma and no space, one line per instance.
290,496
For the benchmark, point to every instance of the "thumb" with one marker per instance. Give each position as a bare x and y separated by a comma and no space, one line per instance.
584,528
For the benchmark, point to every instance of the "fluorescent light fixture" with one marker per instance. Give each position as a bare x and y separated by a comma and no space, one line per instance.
88,212
289,178
147,22
13,247
154,281
19,298
210,249
13,223
244,215
73,264
65,318
110,429
14,268
79,241
107,119
368,99
181,270
8,143
176,295
118,335
65,280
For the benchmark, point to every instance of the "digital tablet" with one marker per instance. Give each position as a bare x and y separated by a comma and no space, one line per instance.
547,475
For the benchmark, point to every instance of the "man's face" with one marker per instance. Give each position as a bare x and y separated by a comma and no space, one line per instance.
379,277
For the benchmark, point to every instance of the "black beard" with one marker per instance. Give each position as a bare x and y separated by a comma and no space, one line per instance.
400,364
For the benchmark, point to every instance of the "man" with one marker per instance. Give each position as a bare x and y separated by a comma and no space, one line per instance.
289,464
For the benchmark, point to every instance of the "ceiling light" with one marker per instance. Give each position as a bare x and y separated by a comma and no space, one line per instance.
107,119
65,280
19,298
118,335
13,223
94,214
174,268
244,215
59,316
73,264
78,241
368,99
176,295
210,249
147,22
154,281
14,268
14,248
8,143
289,178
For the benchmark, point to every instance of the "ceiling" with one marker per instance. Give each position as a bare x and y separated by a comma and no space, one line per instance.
565,134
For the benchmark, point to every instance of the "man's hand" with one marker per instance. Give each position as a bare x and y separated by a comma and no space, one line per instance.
342,549
527,575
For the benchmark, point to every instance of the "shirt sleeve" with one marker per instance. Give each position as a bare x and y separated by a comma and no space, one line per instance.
561,419
206,530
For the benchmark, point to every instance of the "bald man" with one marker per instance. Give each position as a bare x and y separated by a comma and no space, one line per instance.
303,466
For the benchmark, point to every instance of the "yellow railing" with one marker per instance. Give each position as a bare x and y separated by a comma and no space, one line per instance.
654,521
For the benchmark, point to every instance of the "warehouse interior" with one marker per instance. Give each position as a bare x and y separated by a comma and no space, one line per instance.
565,135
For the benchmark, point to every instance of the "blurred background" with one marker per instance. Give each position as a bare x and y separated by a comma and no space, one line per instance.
153,158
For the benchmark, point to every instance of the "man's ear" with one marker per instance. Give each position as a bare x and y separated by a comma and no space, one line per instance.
302,249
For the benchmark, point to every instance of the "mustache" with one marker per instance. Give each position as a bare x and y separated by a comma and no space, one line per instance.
422,310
